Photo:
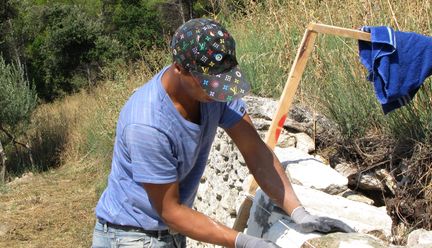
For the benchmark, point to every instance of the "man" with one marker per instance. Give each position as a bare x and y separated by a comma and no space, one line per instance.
163,138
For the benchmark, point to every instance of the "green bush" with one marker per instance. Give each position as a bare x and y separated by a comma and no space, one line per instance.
135,25
17,101
17,97
7,12
62,49
64,45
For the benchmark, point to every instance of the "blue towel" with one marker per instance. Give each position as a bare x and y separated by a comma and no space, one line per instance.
398,63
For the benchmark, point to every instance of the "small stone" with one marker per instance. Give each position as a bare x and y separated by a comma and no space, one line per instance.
304,142
3,229
420,238
366,182
346,169
356,196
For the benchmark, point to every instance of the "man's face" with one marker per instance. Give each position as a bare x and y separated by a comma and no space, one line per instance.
193,87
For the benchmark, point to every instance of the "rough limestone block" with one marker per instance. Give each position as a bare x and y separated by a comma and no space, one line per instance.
310,171
304,142
363,217
269,222
345,240
259,107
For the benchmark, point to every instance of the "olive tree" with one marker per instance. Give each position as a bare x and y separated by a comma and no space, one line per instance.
17,101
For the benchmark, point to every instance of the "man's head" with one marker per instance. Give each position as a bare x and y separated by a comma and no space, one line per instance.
205,49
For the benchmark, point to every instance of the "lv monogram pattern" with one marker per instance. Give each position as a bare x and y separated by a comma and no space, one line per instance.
207,50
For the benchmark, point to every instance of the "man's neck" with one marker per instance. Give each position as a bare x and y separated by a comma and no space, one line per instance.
188,107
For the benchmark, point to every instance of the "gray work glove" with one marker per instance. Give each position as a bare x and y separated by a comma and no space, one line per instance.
247,241
309,223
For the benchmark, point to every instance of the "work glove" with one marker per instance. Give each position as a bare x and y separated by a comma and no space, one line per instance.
309,223
247,241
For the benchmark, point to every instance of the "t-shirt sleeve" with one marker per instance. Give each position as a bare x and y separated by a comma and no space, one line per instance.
232,112
150,154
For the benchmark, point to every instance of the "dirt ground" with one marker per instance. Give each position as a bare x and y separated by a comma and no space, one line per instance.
53,209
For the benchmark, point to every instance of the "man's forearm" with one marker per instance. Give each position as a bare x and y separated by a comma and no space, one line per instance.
200,227
271,177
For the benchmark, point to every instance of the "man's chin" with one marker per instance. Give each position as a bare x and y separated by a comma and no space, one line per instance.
208,99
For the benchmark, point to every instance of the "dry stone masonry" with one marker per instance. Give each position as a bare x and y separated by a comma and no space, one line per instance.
322,190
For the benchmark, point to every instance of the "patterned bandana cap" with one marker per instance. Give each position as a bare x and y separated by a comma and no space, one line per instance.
207,50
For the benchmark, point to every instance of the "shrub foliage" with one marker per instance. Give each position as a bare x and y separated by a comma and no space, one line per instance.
17,97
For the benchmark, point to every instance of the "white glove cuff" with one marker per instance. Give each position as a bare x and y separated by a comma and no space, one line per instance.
298,214
235,243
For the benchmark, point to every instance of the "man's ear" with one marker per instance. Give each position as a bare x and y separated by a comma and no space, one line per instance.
180,69
177,68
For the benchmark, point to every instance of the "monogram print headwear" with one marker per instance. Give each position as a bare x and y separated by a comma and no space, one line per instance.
207,50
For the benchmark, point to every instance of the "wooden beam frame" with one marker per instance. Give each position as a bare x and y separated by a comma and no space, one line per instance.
288,93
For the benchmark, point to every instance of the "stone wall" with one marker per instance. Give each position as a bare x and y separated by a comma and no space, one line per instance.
322,190
221,187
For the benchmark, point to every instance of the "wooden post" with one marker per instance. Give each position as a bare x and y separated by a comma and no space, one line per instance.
338,31
286,99
279,117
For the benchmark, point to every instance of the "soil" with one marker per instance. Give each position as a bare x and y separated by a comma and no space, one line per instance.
53,209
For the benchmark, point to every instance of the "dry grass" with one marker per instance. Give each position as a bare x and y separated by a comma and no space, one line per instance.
53,209
334,83
56,208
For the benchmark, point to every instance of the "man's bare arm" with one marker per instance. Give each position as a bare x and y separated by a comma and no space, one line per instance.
263,164
165,199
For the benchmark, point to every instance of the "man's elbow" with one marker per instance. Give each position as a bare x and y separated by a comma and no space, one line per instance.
172,216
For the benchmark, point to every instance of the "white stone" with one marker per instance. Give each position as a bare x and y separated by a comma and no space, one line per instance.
420,238
346,169
356,196
304,142
362,217
367,181
345,240
260,107
311,172
286,139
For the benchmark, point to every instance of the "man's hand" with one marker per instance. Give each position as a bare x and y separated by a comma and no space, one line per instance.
309,223
247,241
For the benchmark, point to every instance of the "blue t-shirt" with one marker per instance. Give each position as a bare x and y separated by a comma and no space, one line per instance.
155,144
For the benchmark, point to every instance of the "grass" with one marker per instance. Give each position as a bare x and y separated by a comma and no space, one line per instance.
334,81
55,208
78,131
51,209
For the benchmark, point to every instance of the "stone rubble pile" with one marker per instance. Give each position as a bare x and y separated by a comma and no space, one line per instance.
321,189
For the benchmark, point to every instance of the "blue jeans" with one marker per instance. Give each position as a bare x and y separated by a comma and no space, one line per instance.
108,237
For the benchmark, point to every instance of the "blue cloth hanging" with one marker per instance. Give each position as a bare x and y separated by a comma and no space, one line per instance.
397,64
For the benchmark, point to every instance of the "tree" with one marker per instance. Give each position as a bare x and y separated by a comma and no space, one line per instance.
136,24
7,45
60,52
17,101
